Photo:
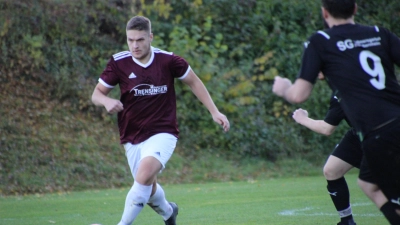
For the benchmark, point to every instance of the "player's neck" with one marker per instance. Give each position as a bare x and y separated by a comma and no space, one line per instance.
337,22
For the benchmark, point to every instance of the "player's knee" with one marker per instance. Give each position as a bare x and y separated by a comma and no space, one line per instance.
331,173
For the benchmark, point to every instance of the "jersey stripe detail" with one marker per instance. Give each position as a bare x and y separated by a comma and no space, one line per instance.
324,34
157,50
121,55
377,28
101,81
186,73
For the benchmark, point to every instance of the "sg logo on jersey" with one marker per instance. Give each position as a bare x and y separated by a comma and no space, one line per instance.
344,45
365,43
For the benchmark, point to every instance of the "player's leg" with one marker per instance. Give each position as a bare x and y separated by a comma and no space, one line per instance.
346,155
373,192
338,190
335,168
382,151
160,205
376,195
161,147
144,171
367,183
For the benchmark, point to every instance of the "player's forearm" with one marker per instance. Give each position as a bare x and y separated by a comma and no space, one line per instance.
298,92
318,126
292,96
99,98
203,95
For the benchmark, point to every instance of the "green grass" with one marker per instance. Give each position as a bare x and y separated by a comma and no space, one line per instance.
297,201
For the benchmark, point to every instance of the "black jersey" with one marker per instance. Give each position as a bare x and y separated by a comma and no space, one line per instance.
358,62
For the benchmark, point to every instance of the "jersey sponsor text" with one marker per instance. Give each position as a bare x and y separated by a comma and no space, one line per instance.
151,90
366,43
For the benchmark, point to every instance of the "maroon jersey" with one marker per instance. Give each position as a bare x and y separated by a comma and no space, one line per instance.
147,93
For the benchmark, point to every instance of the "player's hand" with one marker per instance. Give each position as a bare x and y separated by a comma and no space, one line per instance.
280,86
299,115
113,106
221,120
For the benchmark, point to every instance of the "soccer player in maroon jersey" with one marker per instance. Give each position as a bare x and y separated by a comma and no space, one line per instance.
358,62
147,113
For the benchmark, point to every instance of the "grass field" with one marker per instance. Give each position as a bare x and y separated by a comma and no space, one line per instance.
276,201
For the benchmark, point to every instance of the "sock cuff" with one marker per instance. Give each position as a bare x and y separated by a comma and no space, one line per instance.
141,187
338,182
142,191
345,213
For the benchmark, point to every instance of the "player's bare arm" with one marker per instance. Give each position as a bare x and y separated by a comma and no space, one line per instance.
319,126
293,93
100,98
198,88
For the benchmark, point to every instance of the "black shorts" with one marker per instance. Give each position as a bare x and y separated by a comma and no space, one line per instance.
382,151
365,173
349,149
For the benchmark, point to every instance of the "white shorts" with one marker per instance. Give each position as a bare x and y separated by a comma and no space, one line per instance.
160,146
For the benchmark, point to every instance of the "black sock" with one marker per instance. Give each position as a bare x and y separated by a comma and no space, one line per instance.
389,211
340,195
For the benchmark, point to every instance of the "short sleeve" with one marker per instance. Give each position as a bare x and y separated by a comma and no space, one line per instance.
109,77
179,67
311,63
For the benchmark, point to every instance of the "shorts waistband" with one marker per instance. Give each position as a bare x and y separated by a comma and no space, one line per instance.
382,126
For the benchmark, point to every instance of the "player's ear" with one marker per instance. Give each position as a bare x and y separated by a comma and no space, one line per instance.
325,13
151,37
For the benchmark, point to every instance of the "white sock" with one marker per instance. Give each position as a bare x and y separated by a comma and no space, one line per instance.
159,204
135,200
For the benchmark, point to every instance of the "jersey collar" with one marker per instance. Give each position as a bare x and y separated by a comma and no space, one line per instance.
150,60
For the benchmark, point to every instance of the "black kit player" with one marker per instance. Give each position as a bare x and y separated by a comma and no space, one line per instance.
147,114
345,156
359,62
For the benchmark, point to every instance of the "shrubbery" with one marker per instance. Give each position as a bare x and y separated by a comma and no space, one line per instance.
52,138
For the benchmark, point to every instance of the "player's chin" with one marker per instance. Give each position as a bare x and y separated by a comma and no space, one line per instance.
137,55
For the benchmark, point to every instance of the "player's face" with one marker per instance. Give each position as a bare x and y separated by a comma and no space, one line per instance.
139,43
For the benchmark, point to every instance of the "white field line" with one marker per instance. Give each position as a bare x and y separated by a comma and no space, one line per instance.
310,211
